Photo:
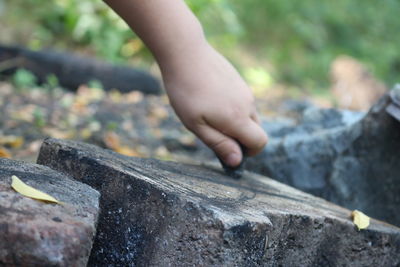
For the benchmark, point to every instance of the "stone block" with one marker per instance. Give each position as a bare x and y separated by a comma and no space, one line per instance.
342,156
157,213
34,233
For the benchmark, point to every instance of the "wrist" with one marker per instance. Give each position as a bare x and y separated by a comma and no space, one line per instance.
185,45
174,62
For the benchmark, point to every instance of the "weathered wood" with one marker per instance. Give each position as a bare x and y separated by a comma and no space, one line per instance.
158,213
73,71
34,233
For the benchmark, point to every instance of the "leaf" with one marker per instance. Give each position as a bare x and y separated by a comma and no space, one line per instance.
30,192
12,141
360,219
111,140
24,78
4,153
127,151
59,133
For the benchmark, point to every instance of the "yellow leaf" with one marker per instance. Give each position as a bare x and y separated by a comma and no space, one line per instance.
360,219
111,139
29,191
163,153
12,141
127,151
115,96
4,153
134,97
86,133
59,134
16,142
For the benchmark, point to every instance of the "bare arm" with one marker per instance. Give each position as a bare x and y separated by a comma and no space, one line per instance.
207,93
167,27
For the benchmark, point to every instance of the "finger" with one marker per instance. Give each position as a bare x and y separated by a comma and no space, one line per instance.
250,135
254,116
227,149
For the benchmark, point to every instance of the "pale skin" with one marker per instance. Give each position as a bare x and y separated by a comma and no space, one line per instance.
205,90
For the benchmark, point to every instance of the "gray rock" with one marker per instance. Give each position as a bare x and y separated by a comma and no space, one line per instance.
342,156
34,233
158,213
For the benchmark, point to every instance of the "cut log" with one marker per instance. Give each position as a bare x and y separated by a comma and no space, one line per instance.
73,71
157,213
35,233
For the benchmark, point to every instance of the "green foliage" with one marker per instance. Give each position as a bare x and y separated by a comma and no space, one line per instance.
52,81
112,126
70,24
24,79
95,84
299,38
39,119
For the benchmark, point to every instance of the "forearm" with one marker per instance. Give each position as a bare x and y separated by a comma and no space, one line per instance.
167,27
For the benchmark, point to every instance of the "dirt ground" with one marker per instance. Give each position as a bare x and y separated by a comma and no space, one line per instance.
132,124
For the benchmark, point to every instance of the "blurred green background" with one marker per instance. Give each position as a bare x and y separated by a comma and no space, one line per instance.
270,41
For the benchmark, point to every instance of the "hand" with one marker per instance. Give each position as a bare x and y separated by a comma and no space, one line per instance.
214,102
205,90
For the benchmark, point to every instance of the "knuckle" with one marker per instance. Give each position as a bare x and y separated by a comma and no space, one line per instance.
237,117
220,145
192,122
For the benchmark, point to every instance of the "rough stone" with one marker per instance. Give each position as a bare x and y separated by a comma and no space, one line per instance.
342,156
158,213
34,233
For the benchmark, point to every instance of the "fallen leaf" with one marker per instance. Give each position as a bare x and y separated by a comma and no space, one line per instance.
162,153
4,153
360,219
90,94
134,97
12,141
86,133
16,142
115,96
188,139
160,112
59,133
111,140
30,192
80,104
127,151
24,113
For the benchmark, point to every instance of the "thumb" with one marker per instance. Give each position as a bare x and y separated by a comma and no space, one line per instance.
226,148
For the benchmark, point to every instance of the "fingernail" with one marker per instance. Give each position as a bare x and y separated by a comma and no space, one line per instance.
233,159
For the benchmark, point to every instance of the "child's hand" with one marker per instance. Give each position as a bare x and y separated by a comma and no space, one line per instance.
213,101
205,90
